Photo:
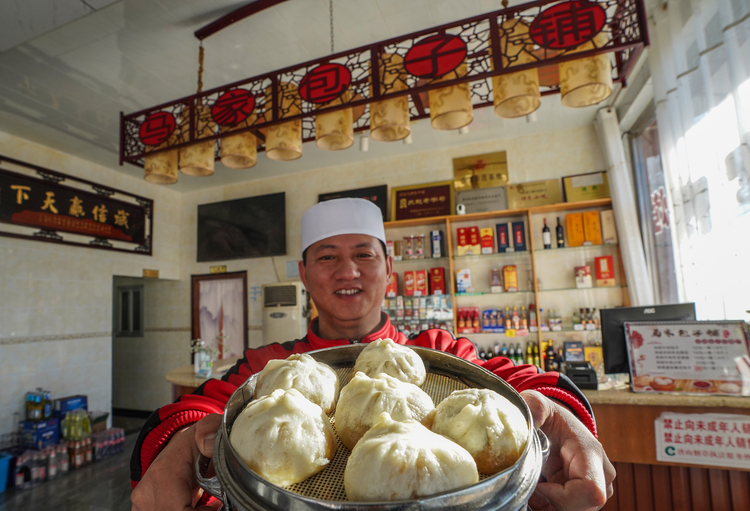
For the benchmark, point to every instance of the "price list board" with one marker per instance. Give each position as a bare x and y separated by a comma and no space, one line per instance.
686,357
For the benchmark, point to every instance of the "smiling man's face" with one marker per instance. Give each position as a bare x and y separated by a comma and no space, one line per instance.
346,277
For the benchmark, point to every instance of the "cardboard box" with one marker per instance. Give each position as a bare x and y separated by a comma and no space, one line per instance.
437,281
63,405
496,281
574,223
420,286
475,243
605,271
503,237
462,240
592,228
409,283
519,236
487,240
392,290
463,281
40,435
583,277
609,230
510,277
437,248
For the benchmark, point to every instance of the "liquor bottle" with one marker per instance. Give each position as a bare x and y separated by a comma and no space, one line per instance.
546,235
595,318
516,319
461,320
475,322
52,464
482,354
550,358
508,319
576,319
519,354
496,350
512,353
504,350
560,236
532,316
582,316
529,354
537,362
524,318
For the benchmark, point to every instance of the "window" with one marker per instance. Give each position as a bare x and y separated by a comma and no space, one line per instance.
130,311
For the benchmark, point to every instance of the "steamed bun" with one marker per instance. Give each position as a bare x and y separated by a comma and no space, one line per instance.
283,437
363,399
486,424
385,356
404,460
316,381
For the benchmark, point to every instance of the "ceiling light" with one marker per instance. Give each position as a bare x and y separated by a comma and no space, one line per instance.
364,143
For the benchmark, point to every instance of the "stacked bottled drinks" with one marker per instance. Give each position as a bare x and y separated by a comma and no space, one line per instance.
38,405
34,467
109,442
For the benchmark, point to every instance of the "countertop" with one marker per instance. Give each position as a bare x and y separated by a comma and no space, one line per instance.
628,397
185,375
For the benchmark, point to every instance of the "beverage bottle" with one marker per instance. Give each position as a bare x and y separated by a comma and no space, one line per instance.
512,353
537,362
550,358
546,235
89,451
64,461
524,318
516,319
482,354
519,354
475,322
47,404
508,319
529,355
542,324
595,317
504,350
560,236
52,463
21,470
532,316
34,463
461,319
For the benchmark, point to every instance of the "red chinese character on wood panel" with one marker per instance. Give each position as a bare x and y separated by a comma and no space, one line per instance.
435,56
568,24
157,128
233,107
325,83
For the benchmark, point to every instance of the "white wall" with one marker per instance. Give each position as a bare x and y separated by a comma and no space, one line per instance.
56,300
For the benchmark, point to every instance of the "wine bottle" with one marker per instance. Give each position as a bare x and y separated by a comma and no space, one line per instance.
546,235
529,354
560,236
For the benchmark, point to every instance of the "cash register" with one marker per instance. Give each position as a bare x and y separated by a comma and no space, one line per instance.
582,374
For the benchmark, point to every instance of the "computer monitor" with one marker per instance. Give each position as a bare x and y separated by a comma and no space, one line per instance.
613,333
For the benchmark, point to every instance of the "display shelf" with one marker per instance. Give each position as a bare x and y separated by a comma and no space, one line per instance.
487,293
578,288
486,257
581,248
423,260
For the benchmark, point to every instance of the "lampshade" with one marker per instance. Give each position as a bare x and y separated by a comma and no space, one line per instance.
284,141
516,94
335,130
450,107
197,159
389,119
160,168
588,81
239,151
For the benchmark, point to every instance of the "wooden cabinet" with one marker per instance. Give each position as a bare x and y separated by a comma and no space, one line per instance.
545,276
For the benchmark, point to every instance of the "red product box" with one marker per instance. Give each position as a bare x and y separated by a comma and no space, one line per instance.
437,281
392,290
462,240
475,242
420,287
605,270
409,282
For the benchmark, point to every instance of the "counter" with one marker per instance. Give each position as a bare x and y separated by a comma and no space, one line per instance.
625,422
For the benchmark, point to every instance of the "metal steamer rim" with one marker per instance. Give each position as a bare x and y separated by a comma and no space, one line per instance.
509,489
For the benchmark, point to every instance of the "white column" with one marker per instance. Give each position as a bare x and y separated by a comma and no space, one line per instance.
626,212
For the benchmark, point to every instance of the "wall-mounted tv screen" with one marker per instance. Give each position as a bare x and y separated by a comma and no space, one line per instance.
242,228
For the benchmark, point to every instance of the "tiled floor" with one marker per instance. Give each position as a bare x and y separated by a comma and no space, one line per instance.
101,486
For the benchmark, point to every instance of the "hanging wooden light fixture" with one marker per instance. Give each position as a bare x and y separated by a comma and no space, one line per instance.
450,107
197,159
284,141
389,118
239,151
334,131
161,168
588,81
516,94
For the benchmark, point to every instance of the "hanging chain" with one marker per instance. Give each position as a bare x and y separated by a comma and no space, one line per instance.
330,9
200,69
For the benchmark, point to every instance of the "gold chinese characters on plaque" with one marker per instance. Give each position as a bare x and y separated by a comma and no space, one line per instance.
423,201
480,171
536,193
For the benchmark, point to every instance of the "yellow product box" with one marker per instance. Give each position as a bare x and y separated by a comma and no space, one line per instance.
487,239
574,222
609,230
510,278
592,228
595,355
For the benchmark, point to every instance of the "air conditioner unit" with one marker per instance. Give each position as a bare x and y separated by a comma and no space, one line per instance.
284,312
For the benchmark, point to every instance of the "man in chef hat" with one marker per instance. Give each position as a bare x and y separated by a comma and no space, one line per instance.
345,269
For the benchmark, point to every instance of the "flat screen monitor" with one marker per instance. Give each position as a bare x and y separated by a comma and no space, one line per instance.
242,228
613,333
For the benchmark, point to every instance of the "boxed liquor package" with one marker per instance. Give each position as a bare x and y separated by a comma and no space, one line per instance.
493,321
605,271
487,240
397,255
420,283
437,281
496,281
409,283
392,290
609,231
574,223
462,241
468,320
583,277
475,243
436,244
510,277
463,281
503,237
389,248
592,228
519,236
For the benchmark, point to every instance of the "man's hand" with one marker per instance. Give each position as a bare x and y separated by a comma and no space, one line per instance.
579,475
169,484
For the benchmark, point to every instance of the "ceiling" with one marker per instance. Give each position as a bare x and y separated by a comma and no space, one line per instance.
69,67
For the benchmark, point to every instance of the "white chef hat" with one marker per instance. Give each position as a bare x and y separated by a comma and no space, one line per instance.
341,216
